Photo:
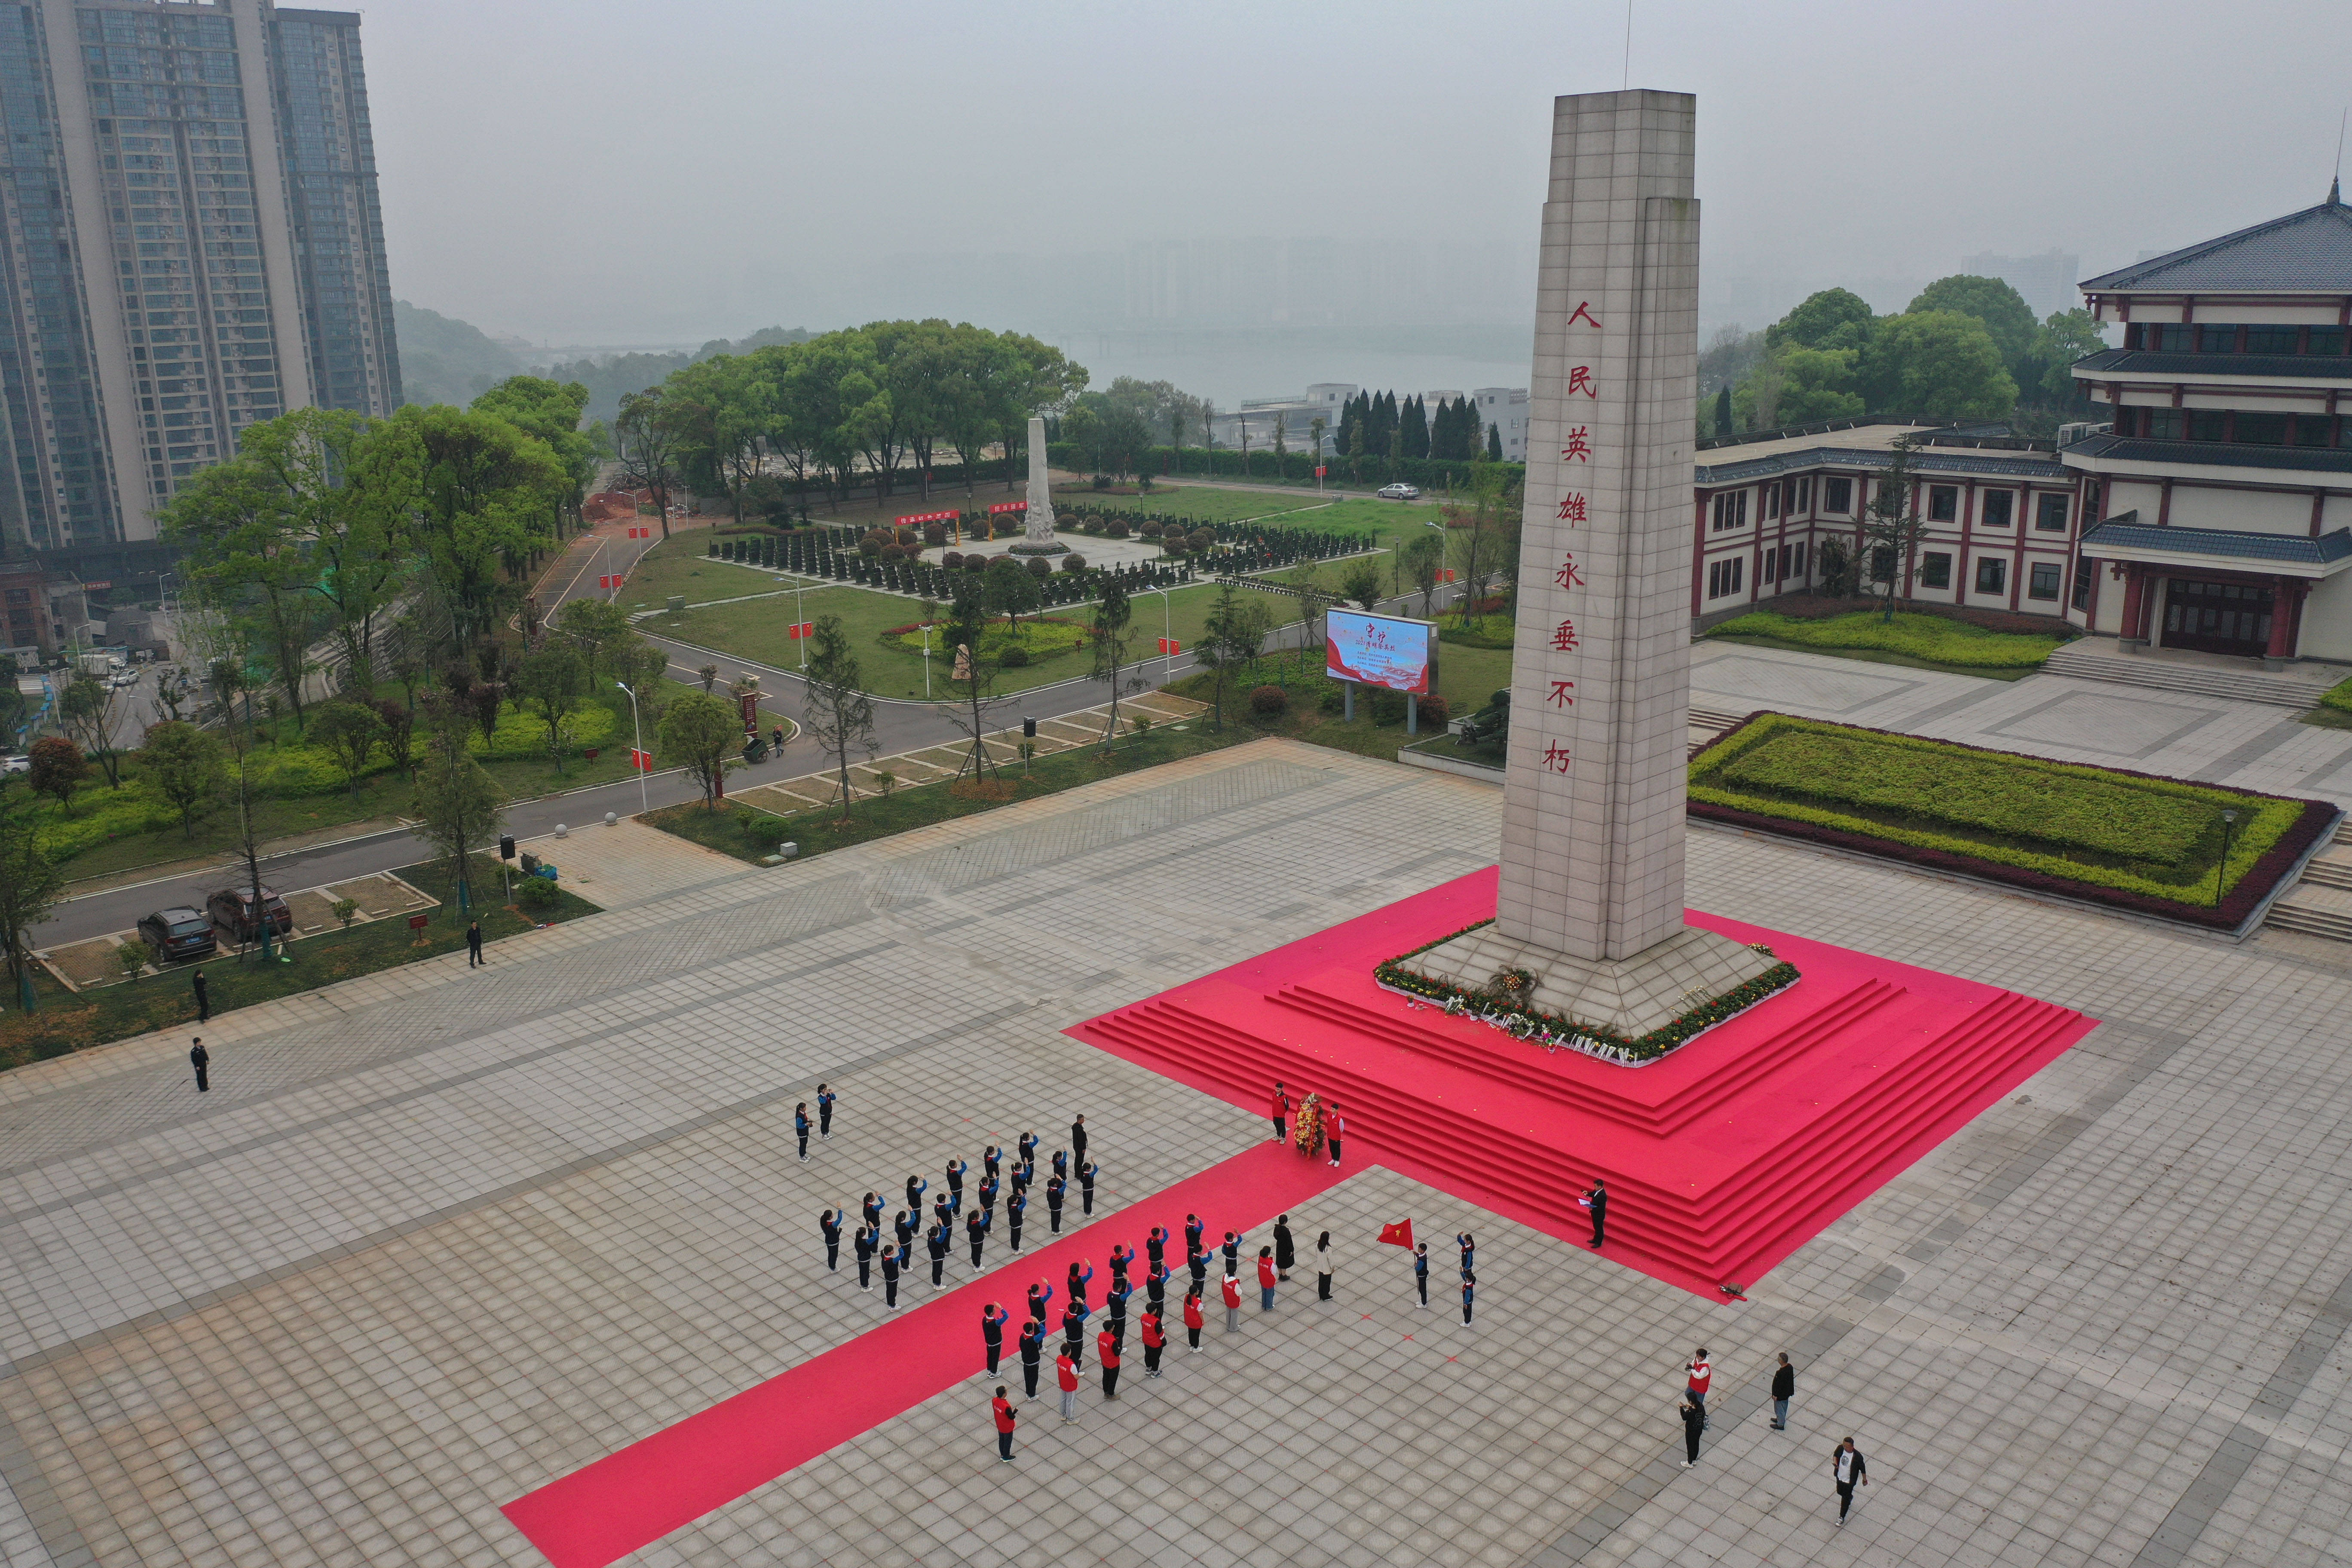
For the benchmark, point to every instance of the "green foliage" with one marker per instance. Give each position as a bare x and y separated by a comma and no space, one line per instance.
1938,364
1832,319
840,716
2339,697
1934,637
2007,318
537,894
58,769
458,807
347,730
2077,824
554,677
1038,638
697,732
30,884
187,767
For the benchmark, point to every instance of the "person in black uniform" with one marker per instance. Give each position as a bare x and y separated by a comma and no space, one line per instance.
1123,1257
1155,1246
1155,1287
801,1126
905,1230
1199,1264
1232,1251
1078,1140
1115,1303
1599,1198
1054,1185
831,1225
975,1230
1421,1270
956,1169
916,1188
890,1267
872,1209
990,1158
1086,1187
940,1240
1033,1350
943,1212
1286,1252
1194,1229
991,1334
1013,1210
825,1098
203,998
202,1060
864,1244
1027,1144
988,1193
1062,1163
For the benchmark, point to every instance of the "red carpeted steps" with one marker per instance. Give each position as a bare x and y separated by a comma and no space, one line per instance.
1721,1159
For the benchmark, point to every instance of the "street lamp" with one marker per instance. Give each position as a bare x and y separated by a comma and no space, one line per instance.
2228,819
1167,636
638,752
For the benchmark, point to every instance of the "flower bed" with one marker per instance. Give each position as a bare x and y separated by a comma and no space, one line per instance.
1500,1007
1039,638
2130,840
1934,637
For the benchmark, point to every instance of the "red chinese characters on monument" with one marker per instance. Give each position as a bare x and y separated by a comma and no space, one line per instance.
1580,447
1580,379
1582,313
1563,637
1556,757
1572,509
1568,576
1560,694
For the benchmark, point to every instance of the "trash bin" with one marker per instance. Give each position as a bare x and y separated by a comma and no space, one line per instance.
755,750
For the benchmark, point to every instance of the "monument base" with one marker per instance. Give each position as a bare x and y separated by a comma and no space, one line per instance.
1038,547
1628,998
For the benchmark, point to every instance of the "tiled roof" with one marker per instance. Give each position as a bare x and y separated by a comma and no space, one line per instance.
2222,543
2215,454
2269,367
2309,252
1965,461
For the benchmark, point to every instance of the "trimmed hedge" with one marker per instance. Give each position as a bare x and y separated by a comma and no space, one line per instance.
2272,835
1926,637
2339,697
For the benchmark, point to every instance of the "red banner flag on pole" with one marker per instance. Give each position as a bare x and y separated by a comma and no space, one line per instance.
1398,1235
641,760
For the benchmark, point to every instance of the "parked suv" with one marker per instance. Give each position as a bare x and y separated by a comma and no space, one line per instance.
1400,491
178,933
232,910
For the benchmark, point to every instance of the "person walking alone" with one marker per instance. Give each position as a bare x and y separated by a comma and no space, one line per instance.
801,1126
1233,1304
1335,1127
1033,1352
474,959
1279,1110
1325,1267
1598,1201
1003,1409
1846,1464
1065,1369
1192,1316
204,997
1701,1375
1267,1275
829,1223
1106,1350
202,1060
992,1318
1285,1253
1154,1341
1784,1389
1694,1423
825,1098
1421,1272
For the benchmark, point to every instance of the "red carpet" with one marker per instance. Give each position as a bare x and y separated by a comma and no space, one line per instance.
1721,1159
634,1497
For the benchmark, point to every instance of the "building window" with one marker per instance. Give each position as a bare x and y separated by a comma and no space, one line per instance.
2218,340
1996,509
1800,492
2084,570
1943,503
1936,570
1724,576
1837,495
2261,429
2271,340
1731,511
1797,566
2043,583
2208,425
2163,423
2172,340
2325,340
1992,576
2050,514
2310,429
1771,502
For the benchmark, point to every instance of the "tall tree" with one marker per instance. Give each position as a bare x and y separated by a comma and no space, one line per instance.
969,675
648,446
480,506
556,677
550,411
1939,364
1830,319
840,715
1723,411
1112,633
1232,638
458,807
30,886
1892,529
721,411
2004,313
696,731
88,707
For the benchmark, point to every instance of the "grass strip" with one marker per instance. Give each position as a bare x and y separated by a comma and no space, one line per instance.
1933,637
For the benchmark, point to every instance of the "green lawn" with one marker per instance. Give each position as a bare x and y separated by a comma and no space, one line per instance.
1921,641
66,1021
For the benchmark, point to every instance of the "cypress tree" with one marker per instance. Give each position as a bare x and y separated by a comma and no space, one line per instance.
1416,428
1723,410
1495,443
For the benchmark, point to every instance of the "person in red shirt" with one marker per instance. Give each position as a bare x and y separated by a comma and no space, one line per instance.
1280,1111
1266,1276
1701,1375
1153,1342
1335,1127
1003,1409
1192,1316
1067,1371
1233,1305
1106,1346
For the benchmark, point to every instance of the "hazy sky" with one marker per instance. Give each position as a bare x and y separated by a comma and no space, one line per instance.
593,171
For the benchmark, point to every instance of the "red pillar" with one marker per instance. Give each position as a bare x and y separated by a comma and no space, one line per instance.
2135,588
2284,591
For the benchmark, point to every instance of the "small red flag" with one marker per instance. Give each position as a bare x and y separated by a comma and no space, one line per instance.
641,760
1399,1234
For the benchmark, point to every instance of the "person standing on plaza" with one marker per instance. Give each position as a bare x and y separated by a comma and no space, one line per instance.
1055,1186
1003,1408
204,997
1232,1251
1155,1285
872,1209
1845,1464
1325,1267
1014,1211
1285,1254
801,1126
1701,1375
825,1098
1033,1353
1597,1200
988,1194
956,1169
1469,1291
1199,1264
990,1158
1021,1173
202,1060
1155,1340
1694,1423
1115,1304
1062,1164
1278,1111
1086,1173
1074,1330
1155,1245
1122,1259
474,959
1784,1389
829,1223
1195,1227
1066,1369
904,1229
864,1245
916,1187
992,1318
1469,1246
1079,1142
1421,1272
1040,1298
1027,1144
1081,1274
1107,1351
975,1230
943,1212
890,1267
1335,1127
1192,1320
1233,1304
1267,1275
939,1242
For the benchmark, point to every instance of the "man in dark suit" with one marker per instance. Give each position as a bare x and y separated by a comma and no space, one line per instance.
203,1059
203,998
1079,1140
1599,1198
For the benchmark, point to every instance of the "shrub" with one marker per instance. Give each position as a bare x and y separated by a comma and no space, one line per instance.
975,563
1074,561
1118,530
1039,567
1014,657
894,553
1201,539
869,547
1436,711
952,561
1010,526
935,534
536,893
1102,481
1933,637
1334,699
1153,530
1269,702
2339,697
908,539
1387,707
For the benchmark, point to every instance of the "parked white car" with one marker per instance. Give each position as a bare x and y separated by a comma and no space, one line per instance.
15,764
1400,492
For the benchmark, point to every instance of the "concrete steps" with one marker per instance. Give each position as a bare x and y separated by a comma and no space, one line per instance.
2094,659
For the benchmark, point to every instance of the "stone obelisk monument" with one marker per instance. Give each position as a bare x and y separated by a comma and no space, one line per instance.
1037,537
1590,902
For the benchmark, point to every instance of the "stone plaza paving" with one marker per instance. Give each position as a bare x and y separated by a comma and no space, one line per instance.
439,1237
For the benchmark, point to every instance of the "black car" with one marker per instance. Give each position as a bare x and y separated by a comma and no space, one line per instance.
232,910
178,933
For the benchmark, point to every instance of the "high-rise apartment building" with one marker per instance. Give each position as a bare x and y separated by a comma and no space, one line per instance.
194,245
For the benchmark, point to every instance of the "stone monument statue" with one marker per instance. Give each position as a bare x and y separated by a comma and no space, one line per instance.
1037,537
1589,918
